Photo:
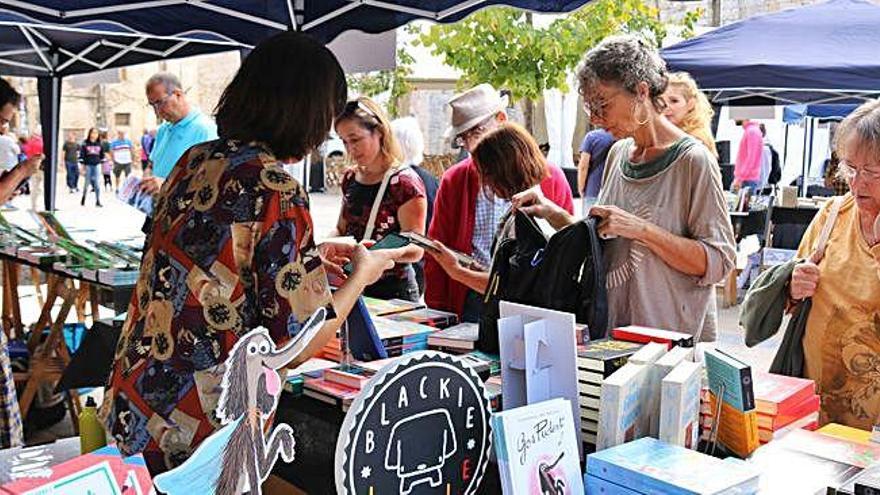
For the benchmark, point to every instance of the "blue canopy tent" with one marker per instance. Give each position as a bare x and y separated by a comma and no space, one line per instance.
822,53
793,114
50,39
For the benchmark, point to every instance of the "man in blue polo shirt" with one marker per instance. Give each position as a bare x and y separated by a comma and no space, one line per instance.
184,127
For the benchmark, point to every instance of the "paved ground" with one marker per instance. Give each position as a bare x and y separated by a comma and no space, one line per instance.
116,220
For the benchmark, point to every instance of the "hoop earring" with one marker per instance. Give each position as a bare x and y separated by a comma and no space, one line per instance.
640,123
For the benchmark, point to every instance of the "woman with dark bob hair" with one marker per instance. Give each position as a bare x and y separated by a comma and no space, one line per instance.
661,205
232,249
509,162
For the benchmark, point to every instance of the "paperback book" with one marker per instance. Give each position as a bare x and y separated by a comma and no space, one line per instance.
733,376
620,407
680,405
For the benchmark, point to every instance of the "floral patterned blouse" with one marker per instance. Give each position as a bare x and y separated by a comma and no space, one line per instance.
231,249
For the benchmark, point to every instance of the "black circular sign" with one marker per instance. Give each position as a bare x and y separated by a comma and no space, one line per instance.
420,426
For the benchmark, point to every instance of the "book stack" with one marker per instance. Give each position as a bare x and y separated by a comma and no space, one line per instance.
596,361
781,401
649,466
313,368
738,425
457,339
643,335
338,386
398,338
426,316
550,460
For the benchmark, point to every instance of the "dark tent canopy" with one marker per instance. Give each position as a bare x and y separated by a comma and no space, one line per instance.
823,53
793,114
50,39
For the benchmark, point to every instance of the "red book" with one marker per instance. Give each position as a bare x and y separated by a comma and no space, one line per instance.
643,335
779,395
102,471
797,412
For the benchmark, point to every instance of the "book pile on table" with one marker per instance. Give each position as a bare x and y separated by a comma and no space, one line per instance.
456,339
737,428
650,466
398,338
426,316
338,385
596,361
784,401
383,307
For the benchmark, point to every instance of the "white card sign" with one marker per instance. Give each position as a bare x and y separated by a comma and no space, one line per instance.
421,422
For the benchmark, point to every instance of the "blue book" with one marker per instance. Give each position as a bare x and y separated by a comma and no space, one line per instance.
734,375
598,486
363,340
652,467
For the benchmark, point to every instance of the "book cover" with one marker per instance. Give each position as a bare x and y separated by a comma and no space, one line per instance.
649,355
599,486
846,433
680,405
427,316
636,333
734,375
833,448
778,394
648,465
779,421
352,375
867,482
102,472
784,471
381,307
620,407
606,355
737,430
321,386
537,449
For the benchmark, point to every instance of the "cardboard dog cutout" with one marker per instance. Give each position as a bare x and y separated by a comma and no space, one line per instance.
239,457
420,425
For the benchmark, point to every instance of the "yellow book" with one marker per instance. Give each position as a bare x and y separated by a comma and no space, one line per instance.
738,431
846,433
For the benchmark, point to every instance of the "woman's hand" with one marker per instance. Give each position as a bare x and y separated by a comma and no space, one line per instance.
445,258
334,255
31,165
616,222
804,280
532,202
370,265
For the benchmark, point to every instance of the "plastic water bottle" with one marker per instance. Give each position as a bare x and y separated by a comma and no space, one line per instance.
91,432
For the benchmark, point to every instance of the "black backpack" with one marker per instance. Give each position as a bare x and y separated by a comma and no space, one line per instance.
775,168
565,273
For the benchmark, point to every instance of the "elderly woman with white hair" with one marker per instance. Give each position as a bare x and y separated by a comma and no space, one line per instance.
842,339
661,205
412,146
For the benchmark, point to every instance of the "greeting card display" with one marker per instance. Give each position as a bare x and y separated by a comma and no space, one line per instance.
421,422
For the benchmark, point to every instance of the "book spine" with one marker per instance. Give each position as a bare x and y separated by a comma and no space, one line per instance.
861,489
748,391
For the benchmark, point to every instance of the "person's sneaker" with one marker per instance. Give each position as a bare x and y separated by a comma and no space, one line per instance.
83,201
99,205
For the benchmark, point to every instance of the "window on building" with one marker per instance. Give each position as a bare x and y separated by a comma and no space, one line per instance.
122,119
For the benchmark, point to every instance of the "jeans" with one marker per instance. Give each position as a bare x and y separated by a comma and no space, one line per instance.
92,178
72,174
753,184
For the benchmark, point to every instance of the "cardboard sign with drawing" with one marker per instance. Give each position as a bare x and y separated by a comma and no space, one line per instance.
239,457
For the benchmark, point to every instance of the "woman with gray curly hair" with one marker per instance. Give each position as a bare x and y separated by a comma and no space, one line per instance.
842,338
661,206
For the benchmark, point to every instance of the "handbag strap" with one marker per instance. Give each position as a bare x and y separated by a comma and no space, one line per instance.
819,251
374,211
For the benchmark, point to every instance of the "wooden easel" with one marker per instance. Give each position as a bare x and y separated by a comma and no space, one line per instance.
11,309
48,363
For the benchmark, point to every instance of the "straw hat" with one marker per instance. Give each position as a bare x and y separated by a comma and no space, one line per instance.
472,107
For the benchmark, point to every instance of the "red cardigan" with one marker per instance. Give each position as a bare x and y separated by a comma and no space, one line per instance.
453,225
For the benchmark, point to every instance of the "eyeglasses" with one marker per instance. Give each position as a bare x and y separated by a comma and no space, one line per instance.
160,102
849,172
594,108
473,133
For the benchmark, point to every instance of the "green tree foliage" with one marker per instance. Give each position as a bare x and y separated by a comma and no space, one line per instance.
502,46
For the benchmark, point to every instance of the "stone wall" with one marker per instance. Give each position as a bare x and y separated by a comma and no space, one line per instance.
731,10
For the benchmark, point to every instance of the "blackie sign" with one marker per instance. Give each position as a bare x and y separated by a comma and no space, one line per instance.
420,426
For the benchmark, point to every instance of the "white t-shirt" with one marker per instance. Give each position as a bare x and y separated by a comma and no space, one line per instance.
9,151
